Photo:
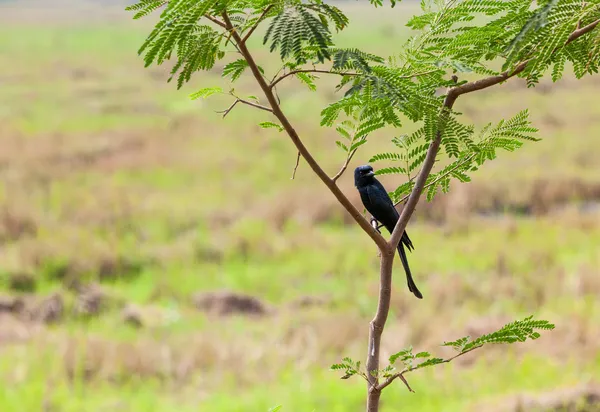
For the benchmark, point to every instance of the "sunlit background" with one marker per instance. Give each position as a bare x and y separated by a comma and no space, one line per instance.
156,257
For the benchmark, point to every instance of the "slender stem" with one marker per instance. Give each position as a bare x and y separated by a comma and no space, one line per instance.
291,73
377,238
262,16
249,103
230,108
258,106
296,167
344,166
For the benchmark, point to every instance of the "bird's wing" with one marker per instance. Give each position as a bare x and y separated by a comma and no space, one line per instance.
381,206
383,196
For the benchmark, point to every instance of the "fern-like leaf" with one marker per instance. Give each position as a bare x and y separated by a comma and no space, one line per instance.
235,69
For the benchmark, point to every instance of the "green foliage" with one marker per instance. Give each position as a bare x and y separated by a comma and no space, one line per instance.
459,142
378,3
303,24
307,79
537,21
235,69
517,331
180,32
271,125
354,59
206,92
145,7
480,36
349,367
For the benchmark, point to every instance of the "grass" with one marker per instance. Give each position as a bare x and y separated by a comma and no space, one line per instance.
110,174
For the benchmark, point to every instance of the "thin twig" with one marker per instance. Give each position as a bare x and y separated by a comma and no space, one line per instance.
258,106
249,103
291,73
344,166
403,379
296,167
230,108
262,16
400,374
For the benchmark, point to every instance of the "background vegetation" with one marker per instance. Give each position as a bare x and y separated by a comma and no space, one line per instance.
124,222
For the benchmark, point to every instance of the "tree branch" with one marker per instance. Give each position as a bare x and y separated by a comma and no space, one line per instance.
267,90
414,196
216,21
377,325
581,31
494,80
451,97
378,322
262,16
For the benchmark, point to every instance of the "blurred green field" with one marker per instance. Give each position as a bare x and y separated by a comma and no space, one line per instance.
114,179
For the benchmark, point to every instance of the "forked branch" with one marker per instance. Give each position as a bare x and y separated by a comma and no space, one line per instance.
378,322
260,19
448,103
268,91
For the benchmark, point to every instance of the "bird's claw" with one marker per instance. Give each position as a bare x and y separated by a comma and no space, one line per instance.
376,225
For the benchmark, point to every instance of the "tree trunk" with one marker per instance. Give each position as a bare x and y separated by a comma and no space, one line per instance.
376,326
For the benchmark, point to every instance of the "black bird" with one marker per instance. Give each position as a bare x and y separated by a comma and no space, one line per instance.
378,203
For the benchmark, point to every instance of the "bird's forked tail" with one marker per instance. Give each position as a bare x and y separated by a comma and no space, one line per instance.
409,279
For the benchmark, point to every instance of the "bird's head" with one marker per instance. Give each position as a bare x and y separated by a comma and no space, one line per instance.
363,175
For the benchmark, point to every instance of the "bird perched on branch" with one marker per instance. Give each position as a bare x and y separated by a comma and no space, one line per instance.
378,203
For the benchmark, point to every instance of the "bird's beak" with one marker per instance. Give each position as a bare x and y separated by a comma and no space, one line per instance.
370,174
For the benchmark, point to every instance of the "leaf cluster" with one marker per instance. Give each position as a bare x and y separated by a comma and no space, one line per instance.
481,37
517,331
349,367
467,150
